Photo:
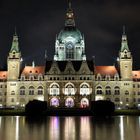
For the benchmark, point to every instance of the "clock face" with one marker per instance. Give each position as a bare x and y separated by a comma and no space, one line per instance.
69,45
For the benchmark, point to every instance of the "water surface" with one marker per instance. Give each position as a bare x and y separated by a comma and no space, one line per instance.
69,128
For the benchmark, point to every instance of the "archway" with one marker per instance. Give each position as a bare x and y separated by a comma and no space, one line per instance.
54,102
69,102
84,103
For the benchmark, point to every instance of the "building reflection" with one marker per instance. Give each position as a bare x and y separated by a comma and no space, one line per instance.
121,128
85,131
54,128
69,129
0,122
17,128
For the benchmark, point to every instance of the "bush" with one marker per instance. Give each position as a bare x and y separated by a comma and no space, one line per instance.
35,107
102,108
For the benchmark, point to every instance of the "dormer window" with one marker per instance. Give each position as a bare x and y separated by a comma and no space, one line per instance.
22,77
40,77
99,78
31,77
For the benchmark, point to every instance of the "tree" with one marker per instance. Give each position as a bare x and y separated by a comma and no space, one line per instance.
102,108
35,107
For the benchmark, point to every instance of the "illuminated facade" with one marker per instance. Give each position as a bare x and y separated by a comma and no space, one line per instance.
70,80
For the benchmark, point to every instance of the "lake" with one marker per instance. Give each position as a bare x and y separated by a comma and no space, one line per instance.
69,128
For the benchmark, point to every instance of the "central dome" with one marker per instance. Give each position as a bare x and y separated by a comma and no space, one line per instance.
70,33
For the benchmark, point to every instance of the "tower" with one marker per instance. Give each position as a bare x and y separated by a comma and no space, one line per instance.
125,59
69,43
13,60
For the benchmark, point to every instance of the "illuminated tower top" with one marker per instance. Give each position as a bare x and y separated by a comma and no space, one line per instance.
70,44
124,45
69,17
15,44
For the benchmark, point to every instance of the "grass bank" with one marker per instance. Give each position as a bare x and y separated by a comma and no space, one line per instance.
127,112
12,112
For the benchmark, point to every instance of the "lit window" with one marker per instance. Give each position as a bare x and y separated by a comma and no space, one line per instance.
69,90
84,90
54,90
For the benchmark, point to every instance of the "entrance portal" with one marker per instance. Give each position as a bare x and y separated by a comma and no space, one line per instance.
84,103
69,102
54,102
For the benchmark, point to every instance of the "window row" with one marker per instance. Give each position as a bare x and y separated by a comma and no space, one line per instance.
70,78
32,78
31,90
107,78
137,93
136,86
3,86
69,90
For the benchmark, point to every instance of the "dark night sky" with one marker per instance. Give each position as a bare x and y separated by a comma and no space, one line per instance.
101,21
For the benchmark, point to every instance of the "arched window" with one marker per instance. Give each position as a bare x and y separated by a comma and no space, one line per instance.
40,90
126,92
84,89
22,90
69,50
117,99
12,92
108,90
69,90
54,90
99,90
116,90
31,90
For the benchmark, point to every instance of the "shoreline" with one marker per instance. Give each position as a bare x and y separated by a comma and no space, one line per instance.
66,112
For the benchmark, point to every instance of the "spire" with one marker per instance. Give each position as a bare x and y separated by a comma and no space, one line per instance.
15,31
124,44
45,54
15,44
69,22
33,64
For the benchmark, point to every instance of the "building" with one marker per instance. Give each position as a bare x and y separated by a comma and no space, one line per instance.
70,80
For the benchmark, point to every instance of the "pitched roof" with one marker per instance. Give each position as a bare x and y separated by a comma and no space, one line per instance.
34,70
3,75
136,74
106,70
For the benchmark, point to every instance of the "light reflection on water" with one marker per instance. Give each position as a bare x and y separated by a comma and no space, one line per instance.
121,128
70,128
